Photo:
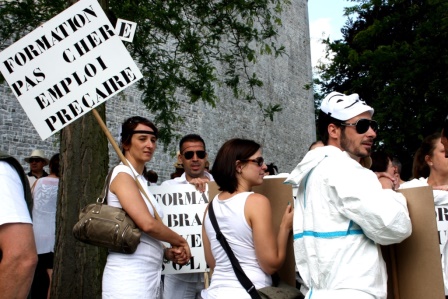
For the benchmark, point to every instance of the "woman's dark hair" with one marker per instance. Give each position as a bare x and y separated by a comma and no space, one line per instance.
224,167
129,125
380,161
419,167
322,124
54,165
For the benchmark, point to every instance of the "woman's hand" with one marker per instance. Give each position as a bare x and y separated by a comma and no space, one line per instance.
177,255
442,187
388,181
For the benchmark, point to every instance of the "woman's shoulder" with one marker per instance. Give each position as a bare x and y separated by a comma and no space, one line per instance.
121,168
257,200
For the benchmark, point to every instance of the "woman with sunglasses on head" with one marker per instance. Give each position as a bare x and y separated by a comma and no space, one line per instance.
138,275
245,220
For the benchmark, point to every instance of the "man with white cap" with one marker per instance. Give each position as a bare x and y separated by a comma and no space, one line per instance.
343,212
37,162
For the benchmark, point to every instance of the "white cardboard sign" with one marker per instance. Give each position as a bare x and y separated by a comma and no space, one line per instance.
67,66
183,207
442,228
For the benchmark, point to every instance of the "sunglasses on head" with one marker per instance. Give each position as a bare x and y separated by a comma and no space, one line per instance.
35,160
362,125
190,154
259,161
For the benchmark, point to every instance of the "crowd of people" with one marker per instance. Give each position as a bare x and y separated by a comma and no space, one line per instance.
346,206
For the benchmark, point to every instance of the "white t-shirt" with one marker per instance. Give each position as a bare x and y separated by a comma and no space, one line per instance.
13,208
44,213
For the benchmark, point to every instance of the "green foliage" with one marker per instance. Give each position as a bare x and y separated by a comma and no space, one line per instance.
395,55
178,46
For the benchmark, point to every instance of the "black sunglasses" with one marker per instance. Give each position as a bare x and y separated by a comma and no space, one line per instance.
259,161
35,160
363,125
189,155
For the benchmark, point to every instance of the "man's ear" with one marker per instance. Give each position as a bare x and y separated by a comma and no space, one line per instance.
334,131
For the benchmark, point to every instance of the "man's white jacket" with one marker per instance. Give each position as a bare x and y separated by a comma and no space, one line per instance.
341,216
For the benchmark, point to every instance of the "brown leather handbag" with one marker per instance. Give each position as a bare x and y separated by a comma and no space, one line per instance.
106,226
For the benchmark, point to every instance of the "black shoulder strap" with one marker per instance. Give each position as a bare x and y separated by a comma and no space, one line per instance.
23,177
239,272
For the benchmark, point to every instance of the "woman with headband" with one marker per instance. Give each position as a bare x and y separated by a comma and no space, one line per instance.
138,275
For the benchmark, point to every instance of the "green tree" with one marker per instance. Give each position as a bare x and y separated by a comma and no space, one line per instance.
179,46
395,55
182,48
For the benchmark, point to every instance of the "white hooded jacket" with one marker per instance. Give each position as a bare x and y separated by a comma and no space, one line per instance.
341,215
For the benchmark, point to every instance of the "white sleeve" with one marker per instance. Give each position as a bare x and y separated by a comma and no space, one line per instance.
120,168
13,208
381,213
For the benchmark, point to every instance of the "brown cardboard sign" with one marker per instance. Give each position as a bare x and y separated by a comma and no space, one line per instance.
418,269
279,195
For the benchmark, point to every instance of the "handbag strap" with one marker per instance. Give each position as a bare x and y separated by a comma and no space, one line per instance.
239,272
103,195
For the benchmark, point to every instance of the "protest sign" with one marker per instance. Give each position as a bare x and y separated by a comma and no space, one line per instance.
442,227
125,29
417,259
183,207
442,224
67,66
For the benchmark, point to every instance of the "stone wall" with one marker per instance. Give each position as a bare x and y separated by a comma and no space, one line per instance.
285,140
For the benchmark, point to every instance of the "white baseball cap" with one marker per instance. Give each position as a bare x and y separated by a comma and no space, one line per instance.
343,107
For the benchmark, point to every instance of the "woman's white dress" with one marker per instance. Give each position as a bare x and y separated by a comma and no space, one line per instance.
134,275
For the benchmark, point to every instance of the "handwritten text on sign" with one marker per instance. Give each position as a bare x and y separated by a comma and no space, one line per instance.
183,207
67,66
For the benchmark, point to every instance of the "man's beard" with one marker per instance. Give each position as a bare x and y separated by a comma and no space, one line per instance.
350,147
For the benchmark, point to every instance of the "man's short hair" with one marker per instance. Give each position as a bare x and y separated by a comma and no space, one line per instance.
322,125
191,138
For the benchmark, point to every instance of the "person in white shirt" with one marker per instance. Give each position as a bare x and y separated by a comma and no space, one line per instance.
343,211
45,195
137,275
245,220
18,256
193,156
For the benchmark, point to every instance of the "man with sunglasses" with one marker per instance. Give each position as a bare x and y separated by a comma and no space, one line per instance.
343,211
193,156
37,161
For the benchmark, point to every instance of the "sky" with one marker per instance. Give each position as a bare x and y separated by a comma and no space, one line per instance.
326,20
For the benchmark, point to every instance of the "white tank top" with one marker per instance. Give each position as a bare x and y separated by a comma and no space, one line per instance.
232,222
